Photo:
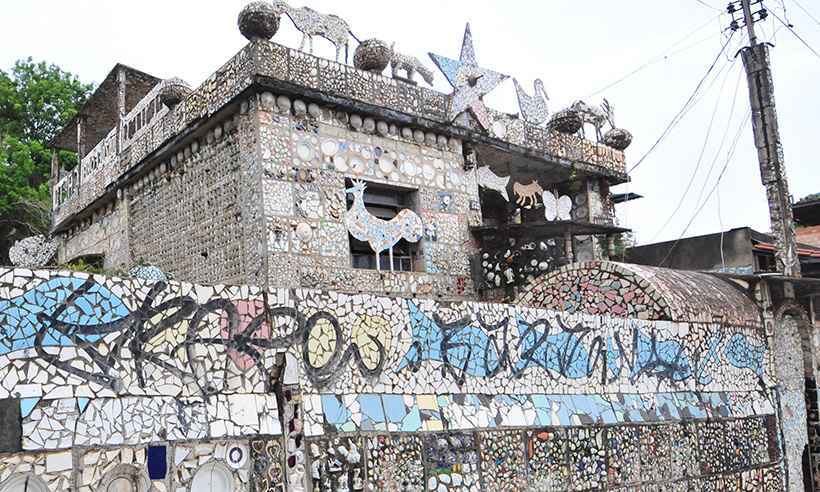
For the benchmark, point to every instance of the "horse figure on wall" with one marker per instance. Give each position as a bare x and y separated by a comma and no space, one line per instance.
311,23
380,234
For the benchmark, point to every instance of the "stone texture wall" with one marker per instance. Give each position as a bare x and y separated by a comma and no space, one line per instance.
106,235
181,386
188,217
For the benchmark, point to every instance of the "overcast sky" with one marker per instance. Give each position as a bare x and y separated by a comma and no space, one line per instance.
576,47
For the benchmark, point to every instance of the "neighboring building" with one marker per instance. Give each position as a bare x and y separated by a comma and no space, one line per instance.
807,220
335,235
741,251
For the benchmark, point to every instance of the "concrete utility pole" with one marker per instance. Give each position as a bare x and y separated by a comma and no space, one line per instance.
767,140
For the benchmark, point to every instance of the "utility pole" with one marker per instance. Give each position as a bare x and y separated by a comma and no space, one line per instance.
767,137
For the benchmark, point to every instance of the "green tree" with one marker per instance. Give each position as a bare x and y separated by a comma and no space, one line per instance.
36,101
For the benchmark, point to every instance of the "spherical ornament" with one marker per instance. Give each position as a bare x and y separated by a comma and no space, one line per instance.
372,55
566,121
382,128
149,273
369,125
617,138
268,100
173,91
299,107
314,110
356,121
32,252
283,103
258,20
304,232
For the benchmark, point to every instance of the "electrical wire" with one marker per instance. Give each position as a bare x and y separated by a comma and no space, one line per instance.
676,119
658,58
708,6
720,222
702,151
790,28
812,17
729,156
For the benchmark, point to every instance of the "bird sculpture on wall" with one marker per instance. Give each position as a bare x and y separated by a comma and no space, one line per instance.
380,234
311,23
534,107
488,179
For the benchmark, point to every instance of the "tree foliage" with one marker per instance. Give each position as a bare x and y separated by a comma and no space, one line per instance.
809,198
36,101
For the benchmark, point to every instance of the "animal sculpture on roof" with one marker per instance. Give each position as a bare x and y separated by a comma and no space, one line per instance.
534,107
592,115
311,23
380,234
410,65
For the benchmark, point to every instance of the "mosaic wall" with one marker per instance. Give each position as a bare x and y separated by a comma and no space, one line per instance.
637,291
101,168
308,154
183,385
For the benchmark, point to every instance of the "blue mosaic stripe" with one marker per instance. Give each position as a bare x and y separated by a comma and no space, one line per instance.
413,413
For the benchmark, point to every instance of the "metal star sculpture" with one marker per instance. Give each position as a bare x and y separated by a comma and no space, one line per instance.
470,82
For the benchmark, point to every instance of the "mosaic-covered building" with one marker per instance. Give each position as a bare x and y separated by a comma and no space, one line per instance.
340,238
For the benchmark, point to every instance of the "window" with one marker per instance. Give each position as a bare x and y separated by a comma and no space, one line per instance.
383,202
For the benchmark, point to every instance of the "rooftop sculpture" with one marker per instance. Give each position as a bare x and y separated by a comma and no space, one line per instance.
312,23
469,81
534,107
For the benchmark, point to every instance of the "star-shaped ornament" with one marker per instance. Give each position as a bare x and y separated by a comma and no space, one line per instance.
470,82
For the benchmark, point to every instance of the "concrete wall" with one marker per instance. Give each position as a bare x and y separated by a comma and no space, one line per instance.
700,253
181,387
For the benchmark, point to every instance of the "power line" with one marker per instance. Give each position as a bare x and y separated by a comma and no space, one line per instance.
790,28
812,17
708,6
702,151
729,156
657,58
723,140
683,109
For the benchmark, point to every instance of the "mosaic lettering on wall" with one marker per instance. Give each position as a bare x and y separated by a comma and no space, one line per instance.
127,363
79,327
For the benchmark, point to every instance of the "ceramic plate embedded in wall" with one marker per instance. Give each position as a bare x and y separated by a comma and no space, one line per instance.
340,164
213,477
304,151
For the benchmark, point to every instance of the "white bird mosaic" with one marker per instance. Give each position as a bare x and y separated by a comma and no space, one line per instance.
488,179
534,107
380,234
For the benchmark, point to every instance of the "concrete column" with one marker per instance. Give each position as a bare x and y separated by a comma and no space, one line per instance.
121,87
793,362
568,247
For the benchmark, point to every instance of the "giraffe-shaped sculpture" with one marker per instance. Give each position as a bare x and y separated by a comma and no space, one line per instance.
380,234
